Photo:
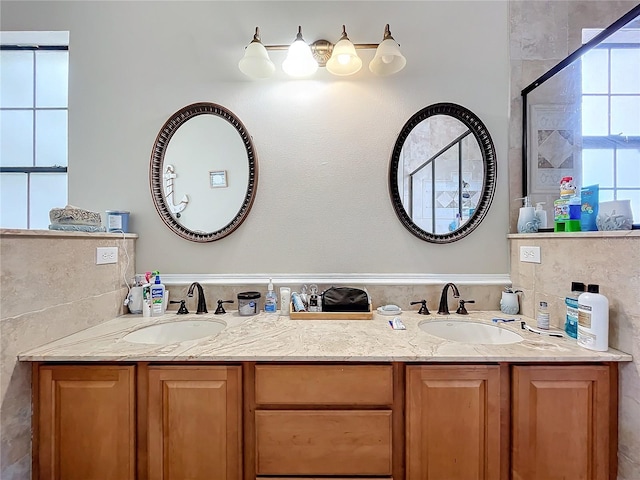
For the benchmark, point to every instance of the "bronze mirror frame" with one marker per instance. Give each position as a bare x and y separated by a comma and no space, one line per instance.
156,174
481,134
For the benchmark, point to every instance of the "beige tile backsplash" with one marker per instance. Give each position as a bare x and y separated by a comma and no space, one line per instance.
50,287
614,264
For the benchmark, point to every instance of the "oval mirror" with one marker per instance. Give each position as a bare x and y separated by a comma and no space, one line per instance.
442,173
203,173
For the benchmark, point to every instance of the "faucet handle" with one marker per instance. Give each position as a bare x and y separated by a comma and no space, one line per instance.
462,309
220,310
183,308
423,309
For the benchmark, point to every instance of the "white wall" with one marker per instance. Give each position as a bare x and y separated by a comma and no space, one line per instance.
323,145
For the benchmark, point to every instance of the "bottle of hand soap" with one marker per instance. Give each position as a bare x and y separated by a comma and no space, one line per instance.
270,300
527,222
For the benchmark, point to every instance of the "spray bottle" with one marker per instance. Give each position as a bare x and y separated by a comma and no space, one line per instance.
146,295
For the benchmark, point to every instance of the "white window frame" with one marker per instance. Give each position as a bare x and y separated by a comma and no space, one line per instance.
34,41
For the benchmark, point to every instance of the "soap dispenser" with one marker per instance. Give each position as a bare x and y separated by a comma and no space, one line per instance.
270,301
527,222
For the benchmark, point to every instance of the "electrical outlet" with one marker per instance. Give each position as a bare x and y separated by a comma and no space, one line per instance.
530,254
106,255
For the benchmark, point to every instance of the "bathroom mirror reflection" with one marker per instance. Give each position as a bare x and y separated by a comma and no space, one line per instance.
442,173
203,172
582,118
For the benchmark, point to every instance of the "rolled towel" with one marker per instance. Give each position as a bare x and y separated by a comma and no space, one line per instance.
71,215
77,228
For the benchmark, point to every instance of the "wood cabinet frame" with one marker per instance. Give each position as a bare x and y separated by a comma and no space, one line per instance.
397,406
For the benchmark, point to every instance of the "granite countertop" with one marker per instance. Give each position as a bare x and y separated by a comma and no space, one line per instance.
272,337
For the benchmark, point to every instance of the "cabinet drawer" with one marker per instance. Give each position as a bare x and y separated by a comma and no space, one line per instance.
330,442
324,384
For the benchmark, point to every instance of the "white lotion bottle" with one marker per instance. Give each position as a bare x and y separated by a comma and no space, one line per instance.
285,300
593,320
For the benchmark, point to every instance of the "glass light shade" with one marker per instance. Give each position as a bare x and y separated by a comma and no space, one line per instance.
299,61
256,62
388,59
344,59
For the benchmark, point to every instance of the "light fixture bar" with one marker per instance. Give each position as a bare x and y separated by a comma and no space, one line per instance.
319,47
359,46
388,59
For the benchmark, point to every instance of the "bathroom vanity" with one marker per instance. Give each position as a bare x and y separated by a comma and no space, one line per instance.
271,397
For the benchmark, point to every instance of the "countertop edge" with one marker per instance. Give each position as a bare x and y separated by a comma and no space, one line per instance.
326,359
570,235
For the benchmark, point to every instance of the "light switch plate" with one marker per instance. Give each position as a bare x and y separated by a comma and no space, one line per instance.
530,254
106,255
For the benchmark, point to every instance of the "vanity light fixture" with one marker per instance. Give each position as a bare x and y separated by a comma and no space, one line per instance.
256,62
299,61
340,59
344,59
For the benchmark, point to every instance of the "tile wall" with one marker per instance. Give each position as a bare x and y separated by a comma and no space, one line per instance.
50,287
611,260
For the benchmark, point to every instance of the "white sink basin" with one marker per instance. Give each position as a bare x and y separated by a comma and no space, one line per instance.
469,332
179,331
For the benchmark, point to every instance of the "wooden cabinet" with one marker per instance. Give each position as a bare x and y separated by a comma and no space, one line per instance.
331,420
564,422
275,421
85,425
194,422
456,422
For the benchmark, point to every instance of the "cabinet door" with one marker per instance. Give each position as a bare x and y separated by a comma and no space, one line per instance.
561,422
453,422
194,423
86,422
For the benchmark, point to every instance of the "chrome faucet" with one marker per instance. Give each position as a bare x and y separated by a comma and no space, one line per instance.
202,303
443,308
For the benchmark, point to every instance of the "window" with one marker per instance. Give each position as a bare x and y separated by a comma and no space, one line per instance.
611,119
33,126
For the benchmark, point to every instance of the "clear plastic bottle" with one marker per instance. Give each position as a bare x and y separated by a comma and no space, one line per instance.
271,299
543,316
541,215
571,301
